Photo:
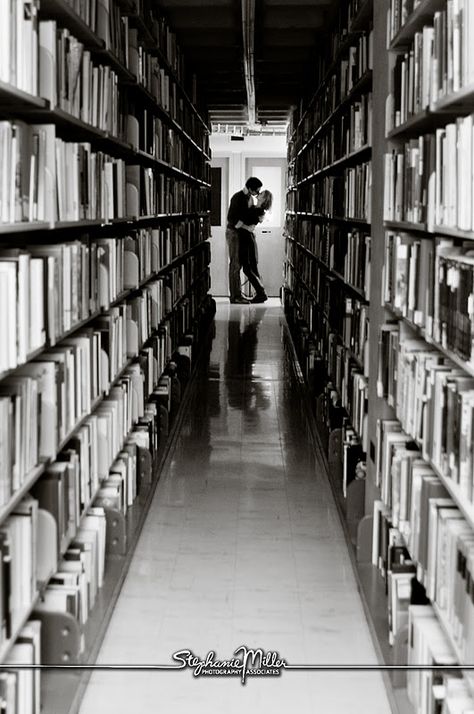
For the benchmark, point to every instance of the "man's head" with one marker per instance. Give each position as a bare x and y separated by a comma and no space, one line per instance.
253,185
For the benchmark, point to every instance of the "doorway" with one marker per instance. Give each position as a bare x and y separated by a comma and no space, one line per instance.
271,245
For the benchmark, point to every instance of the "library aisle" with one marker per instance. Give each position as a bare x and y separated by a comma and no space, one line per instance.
242,546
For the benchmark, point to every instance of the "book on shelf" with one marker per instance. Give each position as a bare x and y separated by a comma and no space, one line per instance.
19,52
439,62
20,689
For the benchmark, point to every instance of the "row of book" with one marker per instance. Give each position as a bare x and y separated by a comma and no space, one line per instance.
20,49
49,289
44,178
98,471
98,466
340,337
339,85
72,82
22,687
448,691
421,535
430,180
151,135
399,13
439,63
346,196
430,283
349,132
333,376
42,402
433,402
346,315
345,252
164,91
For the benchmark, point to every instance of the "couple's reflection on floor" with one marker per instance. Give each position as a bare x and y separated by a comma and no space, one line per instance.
241,358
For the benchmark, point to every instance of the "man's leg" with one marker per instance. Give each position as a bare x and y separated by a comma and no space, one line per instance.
232,238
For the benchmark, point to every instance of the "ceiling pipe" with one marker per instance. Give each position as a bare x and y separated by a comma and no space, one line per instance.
248,32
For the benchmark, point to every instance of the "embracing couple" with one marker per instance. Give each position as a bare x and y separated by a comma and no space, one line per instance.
247,209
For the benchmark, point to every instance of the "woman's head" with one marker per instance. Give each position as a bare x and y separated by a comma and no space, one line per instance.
265,200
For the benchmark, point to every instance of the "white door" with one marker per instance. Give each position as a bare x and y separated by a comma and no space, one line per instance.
272,172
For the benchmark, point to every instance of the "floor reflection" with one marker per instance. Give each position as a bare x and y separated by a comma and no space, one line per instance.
242,545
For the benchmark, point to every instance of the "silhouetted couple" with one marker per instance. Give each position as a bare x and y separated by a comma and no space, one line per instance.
246,210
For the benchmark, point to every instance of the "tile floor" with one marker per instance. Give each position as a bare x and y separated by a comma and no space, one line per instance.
242,545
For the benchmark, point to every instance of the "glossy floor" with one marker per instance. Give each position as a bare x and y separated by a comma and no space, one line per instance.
242,546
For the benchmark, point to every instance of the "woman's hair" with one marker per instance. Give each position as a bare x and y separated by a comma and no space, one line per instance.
265,200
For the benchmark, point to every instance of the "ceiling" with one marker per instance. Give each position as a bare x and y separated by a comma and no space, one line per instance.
285,40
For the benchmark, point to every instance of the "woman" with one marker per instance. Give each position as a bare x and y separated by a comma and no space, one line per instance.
248,244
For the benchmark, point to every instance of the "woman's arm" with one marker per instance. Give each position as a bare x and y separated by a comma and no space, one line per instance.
250,228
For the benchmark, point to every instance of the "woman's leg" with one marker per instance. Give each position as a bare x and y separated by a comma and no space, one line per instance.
253,279
253,266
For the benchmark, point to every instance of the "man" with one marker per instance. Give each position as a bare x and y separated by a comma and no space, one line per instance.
239,204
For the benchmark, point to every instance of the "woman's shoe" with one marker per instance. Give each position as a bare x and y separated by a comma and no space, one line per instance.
261,297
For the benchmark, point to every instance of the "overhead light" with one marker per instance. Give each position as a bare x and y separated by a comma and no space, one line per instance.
248,33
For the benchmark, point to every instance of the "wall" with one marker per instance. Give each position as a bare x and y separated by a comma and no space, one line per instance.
231,156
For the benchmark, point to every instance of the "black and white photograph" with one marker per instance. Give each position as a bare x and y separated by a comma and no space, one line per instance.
236,356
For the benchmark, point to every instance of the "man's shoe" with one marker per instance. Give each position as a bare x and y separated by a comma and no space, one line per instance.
259,298
240,301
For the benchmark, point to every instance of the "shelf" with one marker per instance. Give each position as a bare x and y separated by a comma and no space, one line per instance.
107,595
166,116
465,366
360,293
86,224
330,219
460,102
361,21
60,10
444,111
10,228
62,691
339,163
93,316
13,99
6,645
363,84
174,262
374,599
453,232
123,74
421,16
432,232
351,288
101,139
183,133
468,676
147,40
359,24
405,226
190,104
82,130
18,495
426,120
127,221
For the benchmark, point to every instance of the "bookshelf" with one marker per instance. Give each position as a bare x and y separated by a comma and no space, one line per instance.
436,110
104,272
328,250
388,369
